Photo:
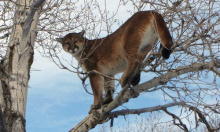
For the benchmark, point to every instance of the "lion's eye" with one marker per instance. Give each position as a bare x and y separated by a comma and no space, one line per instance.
67,43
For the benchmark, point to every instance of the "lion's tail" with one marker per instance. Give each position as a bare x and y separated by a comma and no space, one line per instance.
163,34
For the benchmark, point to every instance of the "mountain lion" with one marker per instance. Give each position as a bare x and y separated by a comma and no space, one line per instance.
122,51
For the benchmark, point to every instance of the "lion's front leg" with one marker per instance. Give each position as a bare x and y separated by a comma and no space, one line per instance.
97,84
109,85
129,74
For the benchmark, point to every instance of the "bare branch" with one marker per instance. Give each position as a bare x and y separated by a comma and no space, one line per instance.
115,114
180,124
34,7
103,114
4,36
5,28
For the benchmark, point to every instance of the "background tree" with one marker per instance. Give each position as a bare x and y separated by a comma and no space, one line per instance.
154,123
189,79
151,123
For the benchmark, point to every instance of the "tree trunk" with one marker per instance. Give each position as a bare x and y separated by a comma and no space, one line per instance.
15,67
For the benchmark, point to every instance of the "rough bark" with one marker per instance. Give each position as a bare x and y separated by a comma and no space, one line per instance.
15,67
2,122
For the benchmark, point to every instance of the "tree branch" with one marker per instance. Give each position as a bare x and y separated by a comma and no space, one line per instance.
180,124
27,24
5,28
115,114
4,36
103,114
202,118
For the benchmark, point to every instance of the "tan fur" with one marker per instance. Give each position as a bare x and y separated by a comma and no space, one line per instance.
122,51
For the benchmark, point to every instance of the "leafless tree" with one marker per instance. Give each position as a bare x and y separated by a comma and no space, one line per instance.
154,122
19,21
189,79
151,123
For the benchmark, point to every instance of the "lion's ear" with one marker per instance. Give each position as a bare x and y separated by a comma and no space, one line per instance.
82,33
60,40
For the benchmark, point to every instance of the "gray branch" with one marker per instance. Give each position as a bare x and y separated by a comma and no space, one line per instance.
144,110
4,36
180,124
34,7
103,114
5,28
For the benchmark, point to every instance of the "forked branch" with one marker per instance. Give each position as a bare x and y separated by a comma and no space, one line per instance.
104,114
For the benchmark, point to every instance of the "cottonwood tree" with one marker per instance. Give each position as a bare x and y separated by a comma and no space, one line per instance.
189,79
18,21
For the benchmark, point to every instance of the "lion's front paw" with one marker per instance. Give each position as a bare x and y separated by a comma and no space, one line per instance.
124,82
93,108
